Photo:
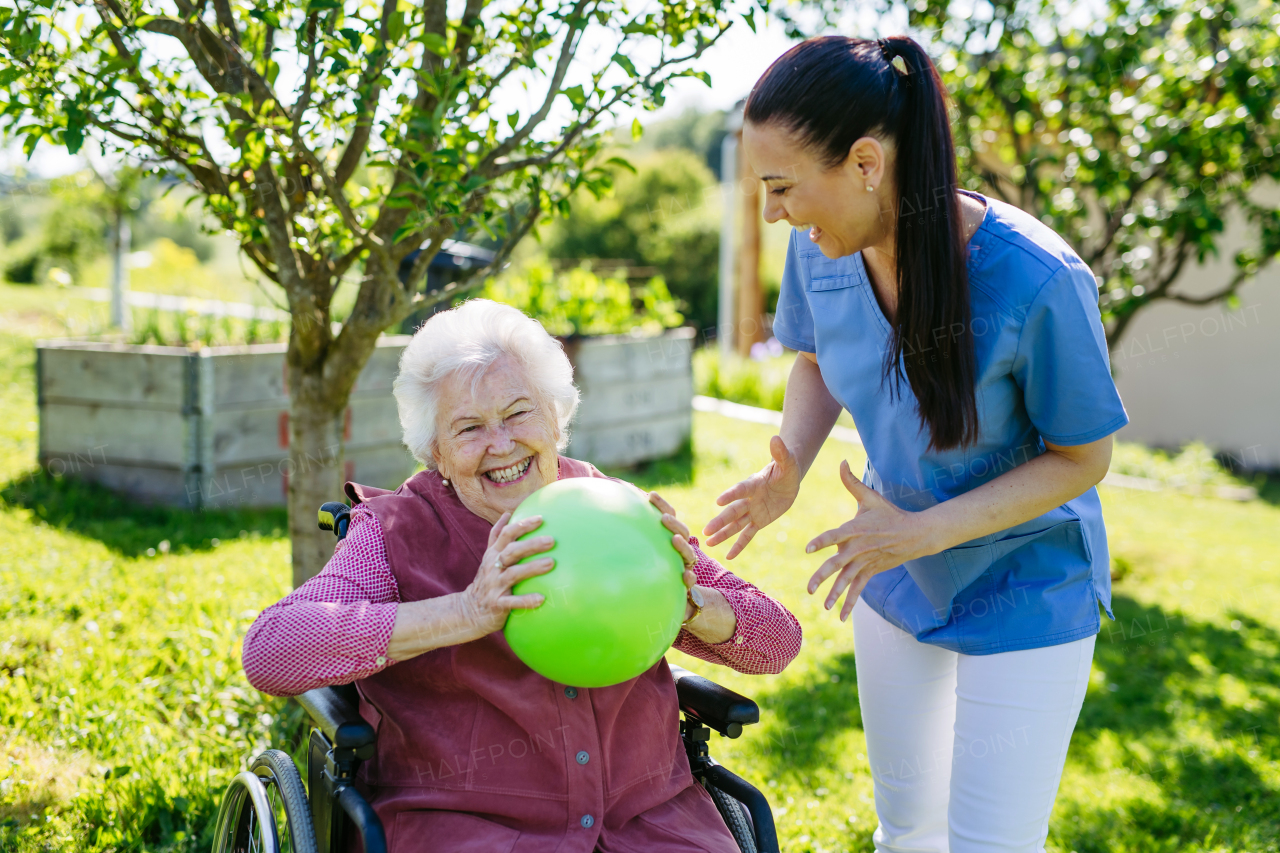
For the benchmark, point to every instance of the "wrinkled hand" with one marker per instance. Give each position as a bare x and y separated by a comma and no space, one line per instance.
679,541
880,537
757,501
488,599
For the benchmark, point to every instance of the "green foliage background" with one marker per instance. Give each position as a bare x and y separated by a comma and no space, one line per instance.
125,742
577,301
664,215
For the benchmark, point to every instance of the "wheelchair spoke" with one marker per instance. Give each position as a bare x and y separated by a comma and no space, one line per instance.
254,835
276,799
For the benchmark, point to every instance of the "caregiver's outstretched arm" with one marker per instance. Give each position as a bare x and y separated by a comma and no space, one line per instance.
882,536
808,413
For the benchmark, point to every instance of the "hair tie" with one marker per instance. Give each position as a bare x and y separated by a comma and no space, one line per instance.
893,58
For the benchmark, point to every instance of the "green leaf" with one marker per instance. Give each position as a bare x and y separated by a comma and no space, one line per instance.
576,96
623,163
321,5
117,771
637,130
266,16
626,64
750,20
73,136
435,43
395,26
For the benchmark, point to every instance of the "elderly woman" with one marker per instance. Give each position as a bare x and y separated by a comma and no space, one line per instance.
476,752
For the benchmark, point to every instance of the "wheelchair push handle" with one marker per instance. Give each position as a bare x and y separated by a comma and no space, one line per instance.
335,516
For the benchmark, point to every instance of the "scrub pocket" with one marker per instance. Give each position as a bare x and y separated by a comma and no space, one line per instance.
941,577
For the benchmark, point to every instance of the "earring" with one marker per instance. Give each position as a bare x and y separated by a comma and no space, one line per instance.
445,481
870,188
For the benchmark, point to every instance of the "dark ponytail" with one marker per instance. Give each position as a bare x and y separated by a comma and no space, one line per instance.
832,91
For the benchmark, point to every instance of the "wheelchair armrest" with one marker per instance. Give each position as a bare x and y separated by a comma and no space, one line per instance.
717,707
336,712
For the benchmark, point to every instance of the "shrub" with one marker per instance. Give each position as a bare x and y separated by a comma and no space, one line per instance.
579,302
760,383
22,269
666,215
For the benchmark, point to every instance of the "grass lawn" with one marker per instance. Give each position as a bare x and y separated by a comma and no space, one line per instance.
123,710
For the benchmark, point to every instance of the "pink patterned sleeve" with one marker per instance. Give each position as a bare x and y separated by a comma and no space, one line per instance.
767,636
334,628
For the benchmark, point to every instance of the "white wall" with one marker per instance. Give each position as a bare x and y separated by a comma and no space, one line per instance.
1210,373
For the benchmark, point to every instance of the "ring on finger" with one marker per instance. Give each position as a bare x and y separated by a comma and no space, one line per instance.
497,562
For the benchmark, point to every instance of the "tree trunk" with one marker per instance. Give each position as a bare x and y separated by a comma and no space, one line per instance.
315,470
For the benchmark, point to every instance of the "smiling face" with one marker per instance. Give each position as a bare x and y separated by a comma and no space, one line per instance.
496,441
842,216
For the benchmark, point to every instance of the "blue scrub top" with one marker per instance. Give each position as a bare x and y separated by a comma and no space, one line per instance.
1043,374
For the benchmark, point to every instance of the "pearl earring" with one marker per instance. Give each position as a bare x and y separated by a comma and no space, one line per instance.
446,482
870,188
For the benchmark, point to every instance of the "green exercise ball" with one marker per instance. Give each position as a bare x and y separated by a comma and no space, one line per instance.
615,599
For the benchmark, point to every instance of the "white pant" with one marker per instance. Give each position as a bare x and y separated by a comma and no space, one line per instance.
966,750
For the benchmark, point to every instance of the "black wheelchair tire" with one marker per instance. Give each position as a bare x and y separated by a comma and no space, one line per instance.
277,770
735,817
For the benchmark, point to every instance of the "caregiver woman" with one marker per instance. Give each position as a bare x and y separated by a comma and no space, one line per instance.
964,338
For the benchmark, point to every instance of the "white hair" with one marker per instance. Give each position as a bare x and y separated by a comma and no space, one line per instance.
469,339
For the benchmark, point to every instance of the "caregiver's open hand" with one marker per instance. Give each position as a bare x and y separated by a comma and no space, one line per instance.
880,537
757,501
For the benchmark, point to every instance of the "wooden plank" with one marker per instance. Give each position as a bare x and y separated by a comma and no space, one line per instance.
151,485
257,485
374,421
622,359
384,364
262,483
250,435
152,380
628,402
248,375
118,434
385,467
627,444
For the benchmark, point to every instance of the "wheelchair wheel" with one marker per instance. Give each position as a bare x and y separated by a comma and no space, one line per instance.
265,810
735,817
288,799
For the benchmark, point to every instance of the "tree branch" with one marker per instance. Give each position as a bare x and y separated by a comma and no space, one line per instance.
370,77
227,21
567,51
580,126
466,33
1227,290
313,63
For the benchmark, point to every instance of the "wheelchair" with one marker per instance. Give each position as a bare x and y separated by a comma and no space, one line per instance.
267,808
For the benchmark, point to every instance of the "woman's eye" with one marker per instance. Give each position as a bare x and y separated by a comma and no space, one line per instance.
517,414
777,190
471,428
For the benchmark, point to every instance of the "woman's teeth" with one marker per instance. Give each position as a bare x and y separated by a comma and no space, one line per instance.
510,474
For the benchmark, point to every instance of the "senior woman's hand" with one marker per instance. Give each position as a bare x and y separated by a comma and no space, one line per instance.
488,599
717,621
482,607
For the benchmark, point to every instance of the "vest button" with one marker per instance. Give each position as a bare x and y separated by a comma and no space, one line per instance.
583,757
571,692
587,821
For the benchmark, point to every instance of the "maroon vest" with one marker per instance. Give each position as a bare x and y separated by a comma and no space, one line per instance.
479,752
